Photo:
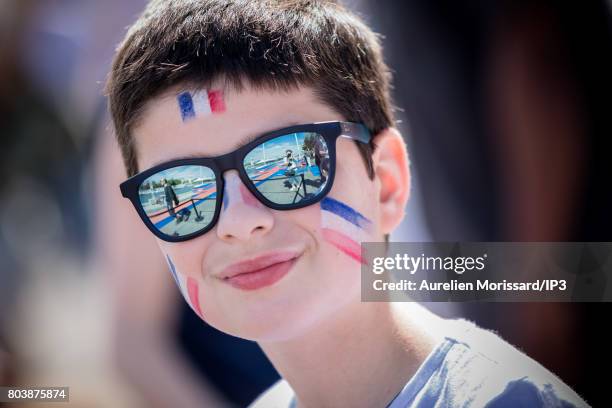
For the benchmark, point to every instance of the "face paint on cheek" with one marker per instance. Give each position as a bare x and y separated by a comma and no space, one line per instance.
174,274
197,103
193,290
344,227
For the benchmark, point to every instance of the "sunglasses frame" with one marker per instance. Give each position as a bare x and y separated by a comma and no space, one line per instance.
234,160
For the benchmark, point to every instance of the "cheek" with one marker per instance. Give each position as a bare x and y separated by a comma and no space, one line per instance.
344,227
188,286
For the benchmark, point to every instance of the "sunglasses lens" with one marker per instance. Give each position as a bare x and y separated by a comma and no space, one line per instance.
289,169
180,200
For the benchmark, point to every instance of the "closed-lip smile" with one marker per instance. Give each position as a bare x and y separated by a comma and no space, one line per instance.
261,271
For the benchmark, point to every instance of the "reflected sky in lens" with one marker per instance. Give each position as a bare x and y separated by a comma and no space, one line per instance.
183,173
276,148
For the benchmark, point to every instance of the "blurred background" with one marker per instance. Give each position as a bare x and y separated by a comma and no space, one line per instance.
504,106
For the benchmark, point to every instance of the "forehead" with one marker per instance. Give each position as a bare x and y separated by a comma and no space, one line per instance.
171,128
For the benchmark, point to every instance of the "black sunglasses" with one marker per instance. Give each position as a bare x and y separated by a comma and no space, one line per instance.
182,199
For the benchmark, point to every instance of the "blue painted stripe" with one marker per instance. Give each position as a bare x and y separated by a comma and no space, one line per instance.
225,200
185,102
344,211
173,270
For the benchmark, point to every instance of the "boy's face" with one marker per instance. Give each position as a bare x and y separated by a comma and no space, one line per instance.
323,277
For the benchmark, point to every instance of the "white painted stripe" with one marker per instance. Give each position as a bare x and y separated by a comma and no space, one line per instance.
183,288
335,222
201,104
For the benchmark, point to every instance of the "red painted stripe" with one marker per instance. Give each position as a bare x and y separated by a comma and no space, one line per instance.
248,198
215,99
344,243
194,295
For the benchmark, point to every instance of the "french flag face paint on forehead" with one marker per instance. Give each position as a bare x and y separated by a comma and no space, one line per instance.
189,288
197,103
344,227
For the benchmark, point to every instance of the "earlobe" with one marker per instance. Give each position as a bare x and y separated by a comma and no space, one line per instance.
392,176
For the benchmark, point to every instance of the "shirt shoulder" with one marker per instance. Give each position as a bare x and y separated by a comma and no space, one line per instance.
529,392
279,395
471,367
480,369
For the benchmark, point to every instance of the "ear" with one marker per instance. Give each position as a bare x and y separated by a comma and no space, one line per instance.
392,175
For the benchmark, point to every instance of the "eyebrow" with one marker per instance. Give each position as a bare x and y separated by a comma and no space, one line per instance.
242,142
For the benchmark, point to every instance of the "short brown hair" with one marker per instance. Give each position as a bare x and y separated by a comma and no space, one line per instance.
270,44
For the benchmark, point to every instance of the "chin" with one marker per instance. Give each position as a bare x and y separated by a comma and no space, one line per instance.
267,322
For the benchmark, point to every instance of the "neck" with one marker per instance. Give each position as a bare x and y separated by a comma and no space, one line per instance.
361,356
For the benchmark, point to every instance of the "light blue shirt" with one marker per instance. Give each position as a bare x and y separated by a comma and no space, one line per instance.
470,367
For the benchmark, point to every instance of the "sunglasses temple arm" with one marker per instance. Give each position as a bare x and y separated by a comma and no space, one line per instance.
356,131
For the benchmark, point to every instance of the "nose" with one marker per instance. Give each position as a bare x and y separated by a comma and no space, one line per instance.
242,216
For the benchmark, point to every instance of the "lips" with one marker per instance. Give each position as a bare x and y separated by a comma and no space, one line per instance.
259,272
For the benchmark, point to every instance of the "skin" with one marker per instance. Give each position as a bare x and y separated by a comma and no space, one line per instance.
302,320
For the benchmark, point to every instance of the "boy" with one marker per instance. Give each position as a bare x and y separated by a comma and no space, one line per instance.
213,93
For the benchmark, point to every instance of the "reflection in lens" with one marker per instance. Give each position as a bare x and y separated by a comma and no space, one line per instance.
289,168
181,200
